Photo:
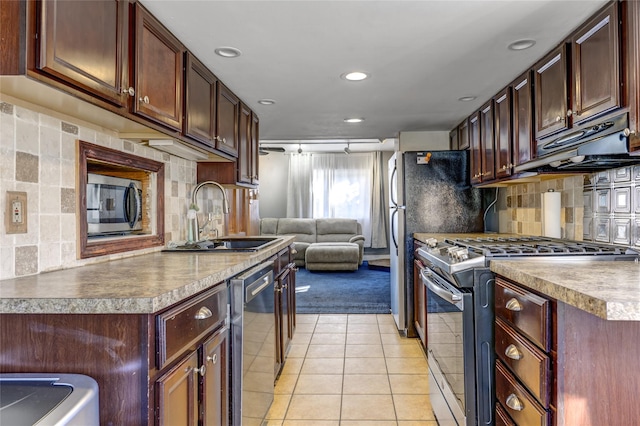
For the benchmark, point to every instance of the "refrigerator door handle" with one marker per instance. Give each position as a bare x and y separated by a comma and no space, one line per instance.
391,191
393,232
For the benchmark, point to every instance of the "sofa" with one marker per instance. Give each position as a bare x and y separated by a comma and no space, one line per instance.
321,244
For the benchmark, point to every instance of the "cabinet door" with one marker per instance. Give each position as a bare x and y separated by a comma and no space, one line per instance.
292,300
453,140
523,140
200,100
551,93
215,384
487,143
178,394
596,87
227,112
631,45
474,145
463,135
503,135
255,148
85,43
244,145
158,72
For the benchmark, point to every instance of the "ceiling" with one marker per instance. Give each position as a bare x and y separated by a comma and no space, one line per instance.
422,56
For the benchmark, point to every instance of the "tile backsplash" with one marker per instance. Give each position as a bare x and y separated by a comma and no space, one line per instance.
612,206
38,156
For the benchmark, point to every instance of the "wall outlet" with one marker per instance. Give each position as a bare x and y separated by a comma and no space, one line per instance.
15,218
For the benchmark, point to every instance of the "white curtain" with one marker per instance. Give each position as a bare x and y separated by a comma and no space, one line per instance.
339,185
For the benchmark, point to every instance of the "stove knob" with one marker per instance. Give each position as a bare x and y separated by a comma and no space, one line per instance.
463,254
431,242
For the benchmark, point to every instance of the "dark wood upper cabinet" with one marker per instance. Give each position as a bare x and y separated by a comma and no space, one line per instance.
85,44
522,111
453,140
487,143
255,148
631,59
595,66
463,135
551,93
503,134
228,112
158,71
475,147
200,97
244,145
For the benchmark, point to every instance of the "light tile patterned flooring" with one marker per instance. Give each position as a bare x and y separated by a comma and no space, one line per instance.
352,370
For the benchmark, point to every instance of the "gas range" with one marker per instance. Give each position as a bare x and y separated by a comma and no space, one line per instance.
455,258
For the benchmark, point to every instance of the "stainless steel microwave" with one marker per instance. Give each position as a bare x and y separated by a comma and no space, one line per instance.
114,205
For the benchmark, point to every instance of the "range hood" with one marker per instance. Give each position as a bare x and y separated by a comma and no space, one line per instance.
603,145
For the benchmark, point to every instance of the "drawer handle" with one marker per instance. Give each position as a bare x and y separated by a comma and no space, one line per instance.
513,305
203,313
513,352
514,403
202,370
213,359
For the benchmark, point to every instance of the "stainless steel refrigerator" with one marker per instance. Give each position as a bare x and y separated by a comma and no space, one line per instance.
429,192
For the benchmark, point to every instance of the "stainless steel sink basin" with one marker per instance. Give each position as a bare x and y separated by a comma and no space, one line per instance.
225,245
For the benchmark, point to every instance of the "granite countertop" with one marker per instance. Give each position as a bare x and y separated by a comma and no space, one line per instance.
136,285
609,290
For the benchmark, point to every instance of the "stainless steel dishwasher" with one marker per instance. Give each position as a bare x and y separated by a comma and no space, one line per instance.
253,343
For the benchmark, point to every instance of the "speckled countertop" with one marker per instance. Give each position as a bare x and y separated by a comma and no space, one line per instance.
609,290
136,285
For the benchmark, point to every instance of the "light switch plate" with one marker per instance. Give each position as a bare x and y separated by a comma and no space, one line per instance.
15,218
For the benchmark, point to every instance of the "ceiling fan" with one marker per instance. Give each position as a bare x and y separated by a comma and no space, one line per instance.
265,150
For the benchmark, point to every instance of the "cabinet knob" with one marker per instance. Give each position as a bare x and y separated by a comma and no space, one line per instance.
628,132
201,371
129,91
558,119
513,305
203,313
514,403
569,113
513,352
213,359
144,100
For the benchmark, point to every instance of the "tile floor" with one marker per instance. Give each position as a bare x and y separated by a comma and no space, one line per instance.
352,370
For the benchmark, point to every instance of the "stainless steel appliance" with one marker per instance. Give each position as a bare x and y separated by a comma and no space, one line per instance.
114,205
253,344
596,145
429,192
460,314
48,399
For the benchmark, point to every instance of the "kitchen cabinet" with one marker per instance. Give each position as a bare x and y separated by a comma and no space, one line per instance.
453,140
255,149
245,166
85,44
178,394
523,147
158,71
227,116
631,72
285,305
463,135
200,97
571,90
487,143
503,140
475,148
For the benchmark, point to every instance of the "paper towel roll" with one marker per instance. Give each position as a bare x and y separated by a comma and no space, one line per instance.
551,214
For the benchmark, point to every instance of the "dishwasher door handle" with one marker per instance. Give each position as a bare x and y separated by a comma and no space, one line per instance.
266,282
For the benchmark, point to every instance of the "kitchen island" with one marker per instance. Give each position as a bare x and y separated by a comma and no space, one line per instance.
136,325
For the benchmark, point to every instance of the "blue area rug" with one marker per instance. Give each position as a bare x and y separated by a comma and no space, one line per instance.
365,291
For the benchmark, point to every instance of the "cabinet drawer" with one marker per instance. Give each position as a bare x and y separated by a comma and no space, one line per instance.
282,260
527,312
521,407
526,361
180,328
502,418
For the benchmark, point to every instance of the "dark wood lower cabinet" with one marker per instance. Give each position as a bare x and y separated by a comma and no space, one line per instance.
178,394
420,304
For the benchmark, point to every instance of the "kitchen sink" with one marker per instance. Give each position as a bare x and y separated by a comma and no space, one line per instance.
224,245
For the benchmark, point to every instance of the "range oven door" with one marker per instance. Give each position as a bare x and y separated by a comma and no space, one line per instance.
450,350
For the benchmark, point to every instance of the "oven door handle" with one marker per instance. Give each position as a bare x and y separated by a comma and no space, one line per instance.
450,294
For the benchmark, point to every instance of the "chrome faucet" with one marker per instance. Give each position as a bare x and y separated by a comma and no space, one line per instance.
225,200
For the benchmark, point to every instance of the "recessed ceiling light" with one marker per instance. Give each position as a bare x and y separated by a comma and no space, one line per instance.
228,52
353,120
266,102
355,76
522,44
467,98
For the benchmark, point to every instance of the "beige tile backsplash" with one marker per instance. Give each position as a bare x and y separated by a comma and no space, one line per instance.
38,156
